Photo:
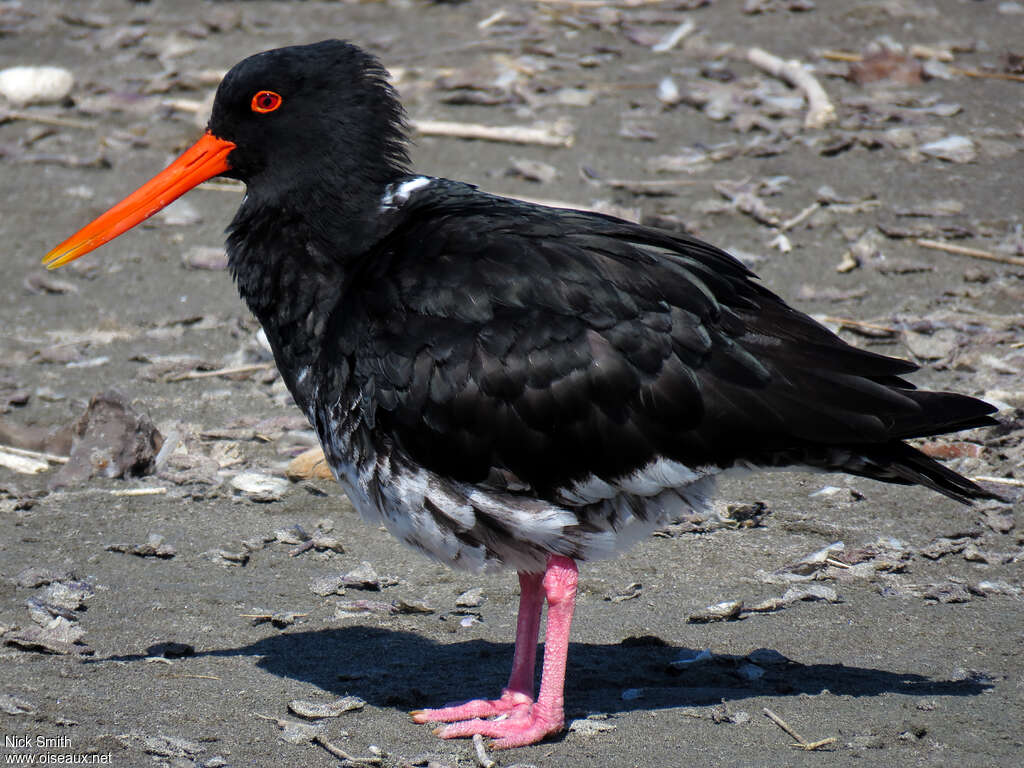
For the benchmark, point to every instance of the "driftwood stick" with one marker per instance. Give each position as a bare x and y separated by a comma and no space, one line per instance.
673,38
1002,480
46,119
548,135
990,75
820,111
801,742
51,457
974,253
223,372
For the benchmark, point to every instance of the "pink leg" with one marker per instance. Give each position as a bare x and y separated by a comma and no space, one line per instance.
519,691
525,721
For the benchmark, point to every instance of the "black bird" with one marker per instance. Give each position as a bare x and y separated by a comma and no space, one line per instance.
503,384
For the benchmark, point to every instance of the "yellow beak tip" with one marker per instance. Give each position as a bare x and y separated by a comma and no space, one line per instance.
55,259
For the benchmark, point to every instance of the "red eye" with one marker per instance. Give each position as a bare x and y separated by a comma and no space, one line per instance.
265,101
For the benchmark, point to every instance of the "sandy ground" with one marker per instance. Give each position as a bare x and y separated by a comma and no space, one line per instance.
914,657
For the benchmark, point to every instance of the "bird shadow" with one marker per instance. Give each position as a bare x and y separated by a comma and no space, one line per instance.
403,670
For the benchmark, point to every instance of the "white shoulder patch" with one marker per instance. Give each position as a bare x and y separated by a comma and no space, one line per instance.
396,194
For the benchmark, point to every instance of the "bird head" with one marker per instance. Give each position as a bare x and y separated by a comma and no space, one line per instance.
315,119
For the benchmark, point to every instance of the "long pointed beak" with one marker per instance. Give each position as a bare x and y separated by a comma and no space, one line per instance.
203,160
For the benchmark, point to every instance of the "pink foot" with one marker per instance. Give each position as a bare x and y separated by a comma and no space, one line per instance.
518,719
525,725
509,703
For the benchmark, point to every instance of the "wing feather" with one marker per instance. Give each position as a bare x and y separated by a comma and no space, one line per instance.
547,346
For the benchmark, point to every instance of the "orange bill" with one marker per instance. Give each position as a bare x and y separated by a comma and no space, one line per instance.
203,160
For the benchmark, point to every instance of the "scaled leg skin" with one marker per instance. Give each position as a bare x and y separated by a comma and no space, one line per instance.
526,721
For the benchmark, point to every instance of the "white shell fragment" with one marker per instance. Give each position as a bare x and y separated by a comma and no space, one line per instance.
35,85
314,710
952,149
724,611
668,92
260,487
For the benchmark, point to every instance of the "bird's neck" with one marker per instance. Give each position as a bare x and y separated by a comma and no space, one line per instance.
291,264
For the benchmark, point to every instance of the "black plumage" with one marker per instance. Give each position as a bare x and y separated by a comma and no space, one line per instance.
485,334
502,383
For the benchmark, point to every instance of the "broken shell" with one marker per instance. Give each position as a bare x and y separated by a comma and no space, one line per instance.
952,149
724,611
315,709
260,487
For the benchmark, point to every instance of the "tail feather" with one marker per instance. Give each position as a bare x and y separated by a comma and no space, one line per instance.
894,461
900,463
942,412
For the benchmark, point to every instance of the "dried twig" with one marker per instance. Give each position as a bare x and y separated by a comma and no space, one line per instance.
179,676
341,754
990,75
482,758
223,371
860,324
820,111
842,56
1002,480
974,253
788,224
800,740
493,19
551,135
157,491
45,119
22,464
51,457
673,38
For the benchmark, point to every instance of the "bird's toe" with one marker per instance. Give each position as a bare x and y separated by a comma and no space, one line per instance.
512,721
510,702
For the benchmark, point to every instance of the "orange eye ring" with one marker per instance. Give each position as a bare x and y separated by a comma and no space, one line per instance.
265,101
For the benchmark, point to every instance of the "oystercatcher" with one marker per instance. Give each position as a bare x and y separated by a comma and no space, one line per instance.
503,384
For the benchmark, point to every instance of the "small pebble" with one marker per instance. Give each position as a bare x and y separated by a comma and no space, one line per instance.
40,576
328,585
35,85
180,213
588,727
668,92
471,598
205,257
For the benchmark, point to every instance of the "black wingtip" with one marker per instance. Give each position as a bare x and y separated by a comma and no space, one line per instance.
911,466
